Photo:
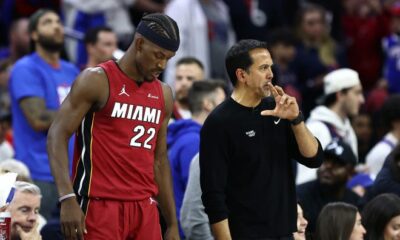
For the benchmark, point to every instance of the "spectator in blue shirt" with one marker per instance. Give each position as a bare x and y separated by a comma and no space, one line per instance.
39,83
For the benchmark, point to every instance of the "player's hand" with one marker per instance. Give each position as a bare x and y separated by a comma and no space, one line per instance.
33,234
286,106
72,220
172,233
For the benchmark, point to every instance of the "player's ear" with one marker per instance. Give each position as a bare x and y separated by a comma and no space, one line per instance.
207,105
241,75
139,43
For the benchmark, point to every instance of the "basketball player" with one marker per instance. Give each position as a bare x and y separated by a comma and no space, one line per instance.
120,112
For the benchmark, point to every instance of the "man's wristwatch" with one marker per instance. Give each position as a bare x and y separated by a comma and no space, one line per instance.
298,119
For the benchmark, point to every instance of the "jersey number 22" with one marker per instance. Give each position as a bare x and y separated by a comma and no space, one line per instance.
137,141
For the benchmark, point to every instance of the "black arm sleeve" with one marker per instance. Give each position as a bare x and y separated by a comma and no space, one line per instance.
213,170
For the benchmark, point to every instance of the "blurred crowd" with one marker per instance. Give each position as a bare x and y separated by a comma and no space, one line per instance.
311,43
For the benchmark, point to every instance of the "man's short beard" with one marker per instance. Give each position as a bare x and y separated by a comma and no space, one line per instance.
49,44
333,187
182,96
183,100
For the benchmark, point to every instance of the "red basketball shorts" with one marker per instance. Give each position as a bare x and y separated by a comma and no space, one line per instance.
108,219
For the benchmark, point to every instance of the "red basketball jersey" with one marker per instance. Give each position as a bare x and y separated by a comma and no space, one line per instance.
114,148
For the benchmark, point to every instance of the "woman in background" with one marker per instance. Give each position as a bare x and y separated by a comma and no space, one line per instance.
381,217
339,221
301,225
316,54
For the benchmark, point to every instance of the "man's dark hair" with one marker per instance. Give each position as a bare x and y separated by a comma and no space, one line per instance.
190,60
390,110
331,98
378,213
201,90
238,56
34,19
92,35
336,221
33,24
162,25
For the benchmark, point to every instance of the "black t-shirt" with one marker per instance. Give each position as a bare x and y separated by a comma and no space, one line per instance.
246,171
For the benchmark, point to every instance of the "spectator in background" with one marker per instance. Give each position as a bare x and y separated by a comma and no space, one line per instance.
342,100
38,85
10,10
5,68
391,46
340,220
334,10
364,24
187,71
381,217
24,209
282,45
101,42
360,183
206,34
375,99
362,125
6,133
193,219
317,52
301,225
388,179
183,138
13,165
335,171
6,149
143,7
390,114
254,19
18,45
24,175
82,15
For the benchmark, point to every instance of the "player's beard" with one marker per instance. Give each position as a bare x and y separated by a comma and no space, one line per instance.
182,96
49,44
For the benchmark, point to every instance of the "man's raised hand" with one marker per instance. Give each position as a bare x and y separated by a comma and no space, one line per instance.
286,106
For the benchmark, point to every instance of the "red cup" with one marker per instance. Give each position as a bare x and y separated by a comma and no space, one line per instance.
5,226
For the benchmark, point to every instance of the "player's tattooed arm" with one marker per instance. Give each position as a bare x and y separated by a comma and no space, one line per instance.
35,111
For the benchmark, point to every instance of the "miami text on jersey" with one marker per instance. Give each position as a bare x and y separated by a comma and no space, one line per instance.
140,113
